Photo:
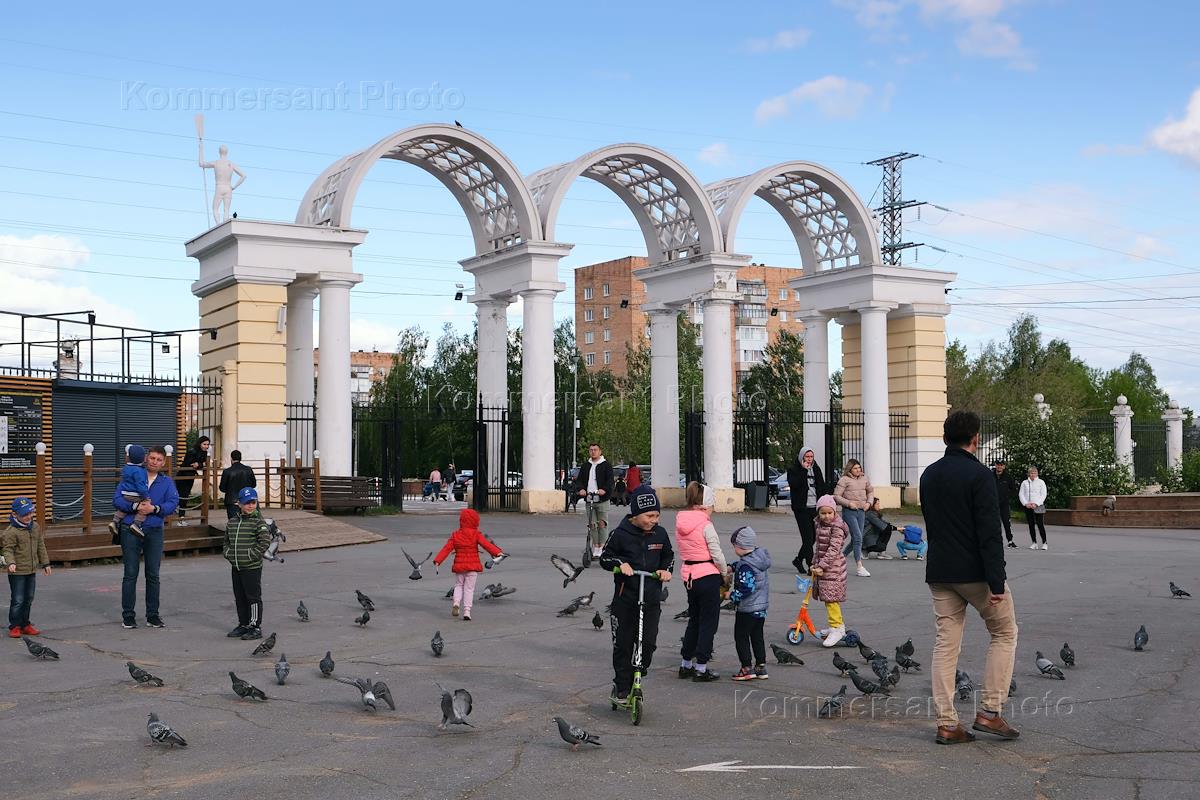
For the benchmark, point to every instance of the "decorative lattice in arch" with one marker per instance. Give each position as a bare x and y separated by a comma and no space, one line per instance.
670,215
828,227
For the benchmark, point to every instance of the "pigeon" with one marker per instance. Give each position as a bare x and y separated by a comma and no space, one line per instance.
457,124
906,648
905,661
1012,686
416,573
893,677
502,590
492,562
1178,592
880,666
43,653
302,611
450,593
486,594
569,570
1108,506
842,665
1140,640
265,646
277,537
867,686
681,615
326,664
597,621
1067,655
455,707
282,668
162,733
371,692
1048,667
785,656
574,735
437,643
141,676
363,618
833,705
569,611
244,690
584,600
866,651
364,601
963,685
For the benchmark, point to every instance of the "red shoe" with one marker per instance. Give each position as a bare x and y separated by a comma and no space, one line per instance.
14,632
29,630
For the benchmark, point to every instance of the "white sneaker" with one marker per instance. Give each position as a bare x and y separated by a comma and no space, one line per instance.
884,556
862,572
1033,546
1045,546
823,632
835,636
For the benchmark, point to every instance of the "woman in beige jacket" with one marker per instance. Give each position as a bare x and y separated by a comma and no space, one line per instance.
854,494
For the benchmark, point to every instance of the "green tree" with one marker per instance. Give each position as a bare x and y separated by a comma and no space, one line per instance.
777,383
622,426
1136,380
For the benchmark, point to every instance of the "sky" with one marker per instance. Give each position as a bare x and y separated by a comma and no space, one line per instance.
1059,144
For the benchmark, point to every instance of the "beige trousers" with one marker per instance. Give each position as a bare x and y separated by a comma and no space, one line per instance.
950,602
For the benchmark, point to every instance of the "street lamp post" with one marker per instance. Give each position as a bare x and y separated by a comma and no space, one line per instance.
575,408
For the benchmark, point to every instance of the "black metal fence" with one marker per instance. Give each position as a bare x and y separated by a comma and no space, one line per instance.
301,419
1150,450
498,480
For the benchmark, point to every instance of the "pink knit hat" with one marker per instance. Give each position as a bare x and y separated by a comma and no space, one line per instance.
827,501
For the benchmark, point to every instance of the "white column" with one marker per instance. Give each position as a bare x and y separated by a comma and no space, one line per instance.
1122,416
1043,408
664,397
1173,417
718,393
816,381
877,451
537,389
333,386
300,296
491,366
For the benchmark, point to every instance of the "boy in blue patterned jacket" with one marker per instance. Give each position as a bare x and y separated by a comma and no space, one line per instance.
751,587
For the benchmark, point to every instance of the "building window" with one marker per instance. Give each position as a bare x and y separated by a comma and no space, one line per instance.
607,335
783,294
797,295
605,290
590,359
587,293
587,315
589,337
782,315
604,312
647,331
607,356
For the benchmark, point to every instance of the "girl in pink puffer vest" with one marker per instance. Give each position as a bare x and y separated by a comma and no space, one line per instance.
704,572
829,566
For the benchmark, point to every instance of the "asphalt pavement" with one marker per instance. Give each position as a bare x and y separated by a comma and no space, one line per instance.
1122,725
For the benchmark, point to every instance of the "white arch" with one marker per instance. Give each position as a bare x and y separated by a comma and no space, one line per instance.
831,224
674,213
486,184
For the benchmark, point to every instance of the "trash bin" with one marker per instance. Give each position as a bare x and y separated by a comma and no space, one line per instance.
756,496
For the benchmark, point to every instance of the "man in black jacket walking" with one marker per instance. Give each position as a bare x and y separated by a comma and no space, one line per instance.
638,543
965,566
1006,487
234,478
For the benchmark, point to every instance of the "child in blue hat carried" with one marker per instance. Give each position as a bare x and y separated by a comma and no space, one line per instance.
24,553
134,487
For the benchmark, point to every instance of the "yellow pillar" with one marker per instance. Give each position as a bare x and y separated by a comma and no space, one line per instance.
917,384
851,361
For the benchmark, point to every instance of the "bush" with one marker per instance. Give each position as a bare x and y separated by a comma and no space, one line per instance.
1068,461
1190,472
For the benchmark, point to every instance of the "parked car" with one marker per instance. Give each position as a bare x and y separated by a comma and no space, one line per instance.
461,481
780,482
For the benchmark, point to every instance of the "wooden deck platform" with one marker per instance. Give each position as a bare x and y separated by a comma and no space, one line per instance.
1178,511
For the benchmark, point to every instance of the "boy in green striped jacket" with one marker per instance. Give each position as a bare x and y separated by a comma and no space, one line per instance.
247,537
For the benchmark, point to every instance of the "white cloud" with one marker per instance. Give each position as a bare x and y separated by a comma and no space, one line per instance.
716,154
875,15
834,96
1181,137
367,335
780,40
980,33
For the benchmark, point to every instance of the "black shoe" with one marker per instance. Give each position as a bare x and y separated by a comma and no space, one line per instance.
687,672
708,676
155,622
252,633
129,623
237,632
1011,543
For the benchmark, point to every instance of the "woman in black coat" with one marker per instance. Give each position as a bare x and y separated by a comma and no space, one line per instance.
193,461
806,484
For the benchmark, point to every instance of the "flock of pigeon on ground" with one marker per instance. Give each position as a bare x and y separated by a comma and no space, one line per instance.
456,705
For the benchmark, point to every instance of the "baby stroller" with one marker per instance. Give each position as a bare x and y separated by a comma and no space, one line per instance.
620,493
432,491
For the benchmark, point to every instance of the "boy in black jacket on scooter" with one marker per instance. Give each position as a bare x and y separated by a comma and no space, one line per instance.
638,543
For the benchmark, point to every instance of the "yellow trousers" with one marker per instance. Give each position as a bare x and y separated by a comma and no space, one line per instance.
834,610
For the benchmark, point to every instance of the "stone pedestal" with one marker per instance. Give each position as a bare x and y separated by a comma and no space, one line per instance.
1123,443
1173,418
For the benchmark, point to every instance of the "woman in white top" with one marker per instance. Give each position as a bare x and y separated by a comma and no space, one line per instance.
1033,497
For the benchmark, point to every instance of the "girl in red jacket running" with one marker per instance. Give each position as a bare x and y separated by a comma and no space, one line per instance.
465,542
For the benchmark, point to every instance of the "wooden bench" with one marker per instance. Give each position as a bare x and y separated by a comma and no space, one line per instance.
352,492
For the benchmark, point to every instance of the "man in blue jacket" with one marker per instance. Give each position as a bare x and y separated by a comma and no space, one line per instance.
160,503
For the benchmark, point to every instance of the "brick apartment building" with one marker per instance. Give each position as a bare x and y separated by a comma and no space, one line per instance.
608,315
366,370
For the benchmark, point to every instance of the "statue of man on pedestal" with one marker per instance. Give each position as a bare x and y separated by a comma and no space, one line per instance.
223,171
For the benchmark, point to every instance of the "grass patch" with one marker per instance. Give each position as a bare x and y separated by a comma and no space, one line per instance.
383,511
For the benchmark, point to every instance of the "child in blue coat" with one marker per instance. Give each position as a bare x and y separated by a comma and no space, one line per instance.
914,540
134,487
